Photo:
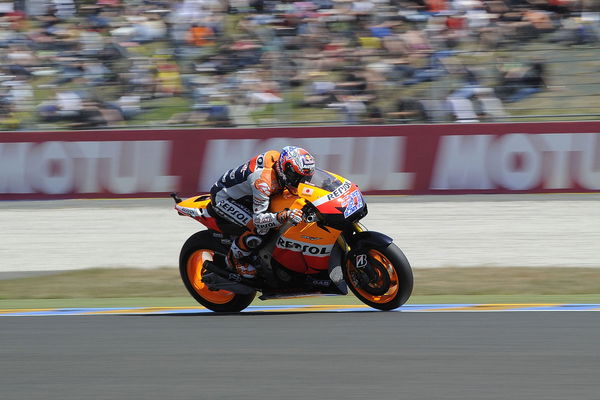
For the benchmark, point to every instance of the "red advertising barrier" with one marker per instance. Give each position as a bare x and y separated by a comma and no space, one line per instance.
409,159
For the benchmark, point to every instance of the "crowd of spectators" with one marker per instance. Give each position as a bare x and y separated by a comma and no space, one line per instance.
116,62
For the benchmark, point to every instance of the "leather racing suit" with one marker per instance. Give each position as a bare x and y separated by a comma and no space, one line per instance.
242,196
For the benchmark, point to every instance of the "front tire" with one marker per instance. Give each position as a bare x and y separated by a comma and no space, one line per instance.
393,283
200,247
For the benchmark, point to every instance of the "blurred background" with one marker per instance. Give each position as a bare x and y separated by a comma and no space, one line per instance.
115,64
71,65
129,63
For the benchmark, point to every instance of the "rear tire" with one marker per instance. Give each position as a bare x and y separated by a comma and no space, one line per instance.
199,247
395,283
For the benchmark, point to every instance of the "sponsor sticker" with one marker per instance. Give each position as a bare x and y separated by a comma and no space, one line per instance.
339,191
306,191
361,260
305,248
233,213
192,212
310,237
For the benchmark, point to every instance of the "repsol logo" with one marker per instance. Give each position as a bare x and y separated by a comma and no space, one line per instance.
339,191
234,212
304,248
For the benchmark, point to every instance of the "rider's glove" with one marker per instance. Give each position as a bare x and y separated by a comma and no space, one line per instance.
295,216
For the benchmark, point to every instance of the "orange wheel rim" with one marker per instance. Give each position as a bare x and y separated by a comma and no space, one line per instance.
394,285
195,271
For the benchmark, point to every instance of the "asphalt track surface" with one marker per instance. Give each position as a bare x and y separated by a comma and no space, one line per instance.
305,354
312,355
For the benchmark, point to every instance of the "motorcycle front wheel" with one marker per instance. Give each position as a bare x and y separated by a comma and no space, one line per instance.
200,247
391,281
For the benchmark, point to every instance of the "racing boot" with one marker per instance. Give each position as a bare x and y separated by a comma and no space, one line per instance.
239,258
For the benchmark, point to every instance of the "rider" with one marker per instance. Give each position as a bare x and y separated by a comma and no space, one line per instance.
242,196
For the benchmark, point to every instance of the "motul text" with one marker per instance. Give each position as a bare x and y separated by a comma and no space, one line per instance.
518,162
58,168
410,159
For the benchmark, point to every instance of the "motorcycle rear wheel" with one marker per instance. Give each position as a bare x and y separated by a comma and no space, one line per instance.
394,279
199,247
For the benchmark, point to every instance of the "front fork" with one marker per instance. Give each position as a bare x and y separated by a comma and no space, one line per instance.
341,241
358,257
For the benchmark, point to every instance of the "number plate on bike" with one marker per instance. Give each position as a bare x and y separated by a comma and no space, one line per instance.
353,202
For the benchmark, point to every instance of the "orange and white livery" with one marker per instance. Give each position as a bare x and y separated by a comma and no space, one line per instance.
326,252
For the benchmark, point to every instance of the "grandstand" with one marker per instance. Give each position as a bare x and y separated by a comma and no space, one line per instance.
209,63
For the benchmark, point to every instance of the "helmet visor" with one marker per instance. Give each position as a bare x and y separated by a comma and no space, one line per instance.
293,178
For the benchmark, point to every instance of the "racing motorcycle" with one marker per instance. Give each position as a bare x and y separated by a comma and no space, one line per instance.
325,254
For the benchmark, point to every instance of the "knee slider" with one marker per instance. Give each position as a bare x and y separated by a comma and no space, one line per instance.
253,241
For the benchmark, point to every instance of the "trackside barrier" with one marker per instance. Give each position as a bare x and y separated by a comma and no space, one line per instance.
407,159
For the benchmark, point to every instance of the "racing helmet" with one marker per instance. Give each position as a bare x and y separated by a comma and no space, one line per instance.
295,165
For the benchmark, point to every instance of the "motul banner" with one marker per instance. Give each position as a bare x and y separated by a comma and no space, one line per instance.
409,159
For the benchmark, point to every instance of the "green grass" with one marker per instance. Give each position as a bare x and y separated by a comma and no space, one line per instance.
163,287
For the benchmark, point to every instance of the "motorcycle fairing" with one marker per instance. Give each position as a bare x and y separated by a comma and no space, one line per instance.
197,208
344,199
305,248
340,201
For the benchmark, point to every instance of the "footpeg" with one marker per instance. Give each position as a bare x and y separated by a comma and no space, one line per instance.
215,282
229,276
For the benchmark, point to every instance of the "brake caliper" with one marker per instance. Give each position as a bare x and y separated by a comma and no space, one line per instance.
367,275
363,264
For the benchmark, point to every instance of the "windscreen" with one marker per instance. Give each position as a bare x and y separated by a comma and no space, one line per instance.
324,180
